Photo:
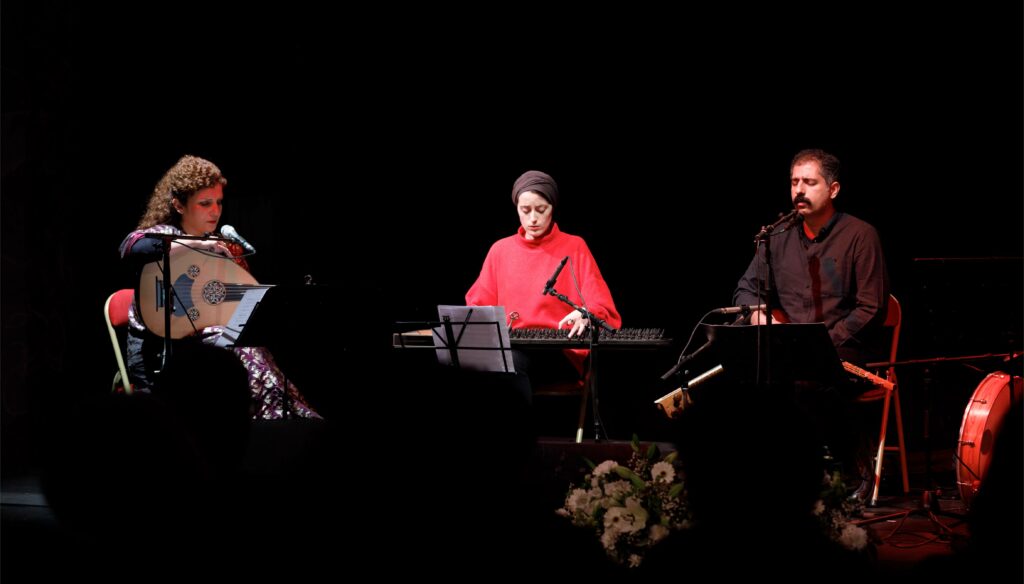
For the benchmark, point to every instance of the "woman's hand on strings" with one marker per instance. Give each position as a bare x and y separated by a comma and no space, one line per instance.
576,323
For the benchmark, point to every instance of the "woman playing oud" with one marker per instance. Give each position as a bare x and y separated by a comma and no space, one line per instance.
189,200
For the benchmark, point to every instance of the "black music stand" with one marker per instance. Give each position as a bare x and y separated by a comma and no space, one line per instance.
281,314
800,352
471,349
479,329
448,341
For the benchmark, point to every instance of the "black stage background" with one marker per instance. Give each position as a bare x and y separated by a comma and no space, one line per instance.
376,152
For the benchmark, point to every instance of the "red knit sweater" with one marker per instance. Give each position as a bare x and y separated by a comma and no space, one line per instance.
516,269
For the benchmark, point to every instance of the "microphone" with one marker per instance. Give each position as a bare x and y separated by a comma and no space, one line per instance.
791,217
741,309
786,218
551,280
230,233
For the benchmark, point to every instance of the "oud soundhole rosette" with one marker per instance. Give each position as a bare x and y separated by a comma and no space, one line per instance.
214,292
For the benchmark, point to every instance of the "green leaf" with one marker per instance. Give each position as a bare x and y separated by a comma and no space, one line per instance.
652,451
631,476
671,456
624,472
675,490
635,443
590,463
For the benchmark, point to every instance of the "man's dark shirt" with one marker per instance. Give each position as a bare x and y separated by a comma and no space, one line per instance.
838,278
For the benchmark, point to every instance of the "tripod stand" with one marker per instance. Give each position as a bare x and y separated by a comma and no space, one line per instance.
591,385
927,507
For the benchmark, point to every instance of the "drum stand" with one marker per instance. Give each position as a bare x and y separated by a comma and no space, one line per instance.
927,506
926,382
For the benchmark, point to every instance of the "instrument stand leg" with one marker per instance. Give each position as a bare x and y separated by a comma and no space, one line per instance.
584,400
590,393
596,324
926,382
591,388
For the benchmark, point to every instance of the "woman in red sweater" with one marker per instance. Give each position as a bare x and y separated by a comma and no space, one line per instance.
517,266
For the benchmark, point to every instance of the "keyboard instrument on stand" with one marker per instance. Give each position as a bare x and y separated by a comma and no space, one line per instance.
636,338
627,338
636,343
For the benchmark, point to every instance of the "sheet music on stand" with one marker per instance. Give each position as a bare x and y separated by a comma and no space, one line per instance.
480,337
234,327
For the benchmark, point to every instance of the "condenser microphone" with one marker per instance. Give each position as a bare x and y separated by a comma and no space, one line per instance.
230,233
551,281
741,309
784,221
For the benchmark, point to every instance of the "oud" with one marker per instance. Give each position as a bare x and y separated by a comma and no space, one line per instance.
205,291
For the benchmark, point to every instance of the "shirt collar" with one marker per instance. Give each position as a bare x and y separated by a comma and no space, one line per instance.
823,233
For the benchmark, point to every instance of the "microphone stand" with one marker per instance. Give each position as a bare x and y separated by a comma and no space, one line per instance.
764,357
595,333
169,294
684,359
765,236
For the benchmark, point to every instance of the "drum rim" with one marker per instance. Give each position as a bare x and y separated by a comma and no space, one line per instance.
1007,382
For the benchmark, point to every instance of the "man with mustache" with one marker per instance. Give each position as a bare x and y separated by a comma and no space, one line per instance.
828,267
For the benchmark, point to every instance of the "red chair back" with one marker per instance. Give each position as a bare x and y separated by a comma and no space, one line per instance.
117,310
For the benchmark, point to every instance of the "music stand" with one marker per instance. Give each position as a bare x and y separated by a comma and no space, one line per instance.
480,330
800,352
464,337
280,314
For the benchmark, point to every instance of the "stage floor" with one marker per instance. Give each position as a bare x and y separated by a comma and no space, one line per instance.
908,541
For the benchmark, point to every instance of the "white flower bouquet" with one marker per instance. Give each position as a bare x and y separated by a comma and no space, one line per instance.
630,507
834,510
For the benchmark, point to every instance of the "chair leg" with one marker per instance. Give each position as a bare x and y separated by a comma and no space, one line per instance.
892,399
880,453
121,369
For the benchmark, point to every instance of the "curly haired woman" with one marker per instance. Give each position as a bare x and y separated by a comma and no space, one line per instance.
188,201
